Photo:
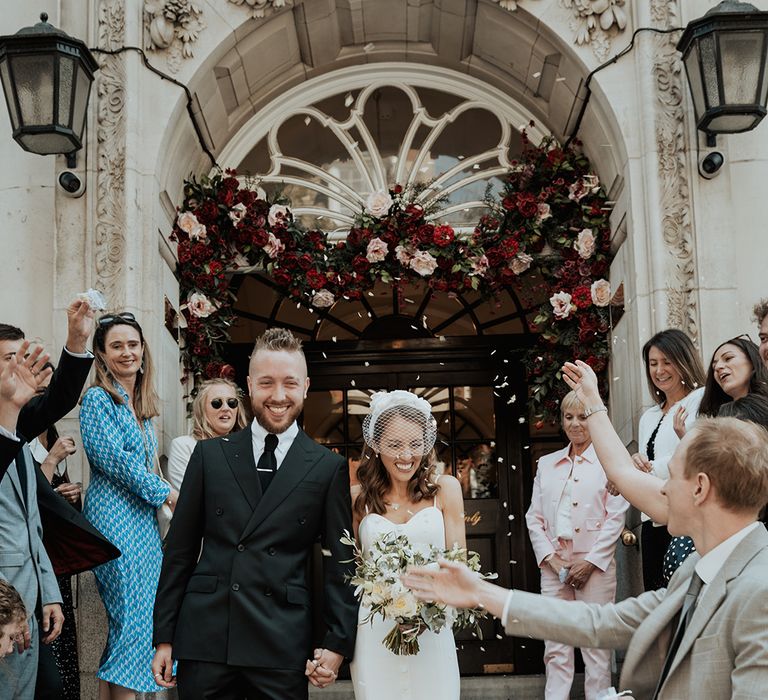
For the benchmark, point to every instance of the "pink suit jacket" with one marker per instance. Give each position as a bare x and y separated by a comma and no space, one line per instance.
597,517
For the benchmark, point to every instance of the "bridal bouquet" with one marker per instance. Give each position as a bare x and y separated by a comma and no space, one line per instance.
378,586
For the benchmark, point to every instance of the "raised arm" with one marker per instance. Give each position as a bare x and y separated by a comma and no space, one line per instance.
452,500
641,489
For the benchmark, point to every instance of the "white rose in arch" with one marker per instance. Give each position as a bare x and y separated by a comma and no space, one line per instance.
323,299
274,246
200,305
188,223
479,265
377,250
378,204
601,292
585,243
278,213
545,212
520,263
423,263
403,255
561,305
237,213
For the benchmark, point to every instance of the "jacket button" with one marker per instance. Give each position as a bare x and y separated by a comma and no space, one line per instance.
575,503
241,548
577,529
235,587
272,551
219,511
268,591
575,478
302,521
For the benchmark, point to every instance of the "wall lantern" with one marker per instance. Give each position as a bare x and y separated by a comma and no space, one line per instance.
725,55
46,76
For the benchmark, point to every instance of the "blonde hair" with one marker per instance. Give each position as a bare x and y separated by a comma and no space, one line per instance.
145,401
201,427
733,453
571,402
277,340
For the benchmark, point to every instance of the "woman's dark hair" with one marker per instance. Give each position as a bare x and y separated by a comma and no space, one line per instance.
714,396
374,479
681,352
752,407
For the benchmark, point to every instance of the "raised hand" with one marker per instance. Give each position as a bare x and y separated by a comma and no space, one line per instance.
23,376
580,377
678,421
79,326
453,584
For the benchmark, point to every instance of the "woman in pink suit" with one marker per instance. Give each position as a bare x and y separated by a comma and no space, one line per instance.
574,525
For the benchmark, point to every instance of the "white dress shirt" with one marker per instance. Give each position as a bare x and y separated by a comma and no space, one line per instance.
284,441
710,564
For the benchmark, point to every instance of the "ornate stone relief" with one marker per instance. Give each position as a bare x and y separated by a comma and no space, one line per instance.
594,21
260,8
172,26
677,229
109,243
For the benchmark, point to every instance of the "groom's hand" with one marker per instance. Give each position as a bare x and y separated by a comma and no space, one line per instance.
324,668
162,666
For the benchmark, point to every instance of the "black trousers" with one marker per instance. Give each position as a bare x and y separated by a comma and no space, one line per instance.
203,680
653,546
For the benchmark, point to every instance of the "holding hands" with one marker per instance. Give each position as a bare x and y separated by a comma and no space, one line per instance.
323,669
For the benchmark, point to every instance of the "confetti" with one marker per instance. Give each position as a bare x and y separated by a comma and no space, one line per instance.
352,382
308,120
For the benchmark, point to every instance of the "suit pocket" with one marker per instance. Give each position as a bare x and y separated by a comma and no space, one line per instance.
298,595
310,486
704,644
202,583
9,560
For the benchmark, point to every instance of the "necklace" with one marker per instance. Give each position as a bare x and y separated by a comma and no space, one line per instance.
393,506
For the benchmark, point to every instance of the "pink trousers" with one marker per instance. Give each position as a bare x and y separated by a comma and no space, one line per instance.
558,658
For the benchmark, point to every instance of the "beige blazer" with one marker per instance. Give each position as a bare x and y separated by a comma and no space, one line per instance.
724,653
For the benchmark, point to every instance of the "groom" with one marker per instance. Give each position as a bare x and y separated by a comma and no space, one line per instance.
237,616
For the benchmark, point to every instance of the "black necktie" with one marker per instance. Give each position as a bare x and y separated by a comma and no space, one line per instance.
686,613
267,465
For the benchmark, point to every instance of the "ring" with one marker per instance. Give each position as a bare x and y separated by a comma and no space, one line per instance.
158,675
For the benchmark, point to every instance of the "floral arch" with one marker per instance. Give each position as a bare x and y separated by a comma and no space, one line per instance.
402,207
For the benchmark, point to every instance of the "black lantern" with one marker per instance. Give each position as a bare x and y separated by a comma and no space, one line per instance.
724,54
46,76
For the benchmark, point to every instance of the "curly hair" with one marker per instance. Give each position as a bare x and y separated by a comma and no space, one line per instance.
11,605
760,311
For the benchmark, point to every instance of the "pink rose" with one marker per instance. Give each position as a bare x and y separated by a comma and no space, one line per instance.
561,305
188,223
403,255
377,250
200,305
237,213
544,212
274,246
378,204
520,263
585,243
323,299
423,263
601,292
278,214
479,265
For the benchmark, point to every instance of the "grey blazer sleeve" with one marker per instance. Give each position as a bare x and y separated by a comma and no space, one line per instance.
578,624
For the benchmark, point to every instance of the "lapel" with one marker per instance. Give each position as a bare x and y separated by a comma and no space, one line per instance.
302,456
715,593
238,451
13,474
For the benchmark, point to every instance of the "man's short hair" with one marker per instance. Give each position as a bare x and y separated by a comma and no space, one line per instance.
277,340
733,453
9,332
760,311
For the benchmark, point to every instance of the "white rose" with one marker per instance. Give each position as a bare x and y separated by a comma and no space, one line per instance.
188,222
403,255
404,604
561,305
237,213
323,299
200,305
520,263
585,243
278,214
274,246
544,212
378,204
377,250
601,292
423,263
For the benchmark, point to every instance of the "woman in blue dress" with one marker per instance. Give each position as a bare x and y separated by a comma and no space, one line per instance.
122,500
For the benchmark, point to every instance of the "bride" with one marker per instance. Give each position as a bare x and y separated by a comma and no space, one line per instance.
400,492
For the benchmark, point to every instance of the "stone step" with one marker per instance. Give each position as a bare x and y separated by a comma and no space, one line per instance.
472,688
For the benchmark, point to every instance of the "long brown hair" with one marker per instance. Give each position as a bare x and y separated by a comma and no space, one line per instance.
145,401
681,352
201,428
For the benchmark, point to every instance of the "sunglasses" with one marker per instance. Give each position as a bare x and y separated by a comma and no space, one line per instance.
107,319
218,403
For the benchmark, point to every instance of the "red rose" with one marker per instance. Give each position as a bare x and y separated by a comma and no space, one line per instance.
215,267
213,370
289,261
259,238
226,197
509,247
305,261
360,264
425,234
281,277
582,297
355,238
184,252
527,205
207,212
316,279
438,285
555,156
495,257
508,203
397,189
443,236
246,197
230,183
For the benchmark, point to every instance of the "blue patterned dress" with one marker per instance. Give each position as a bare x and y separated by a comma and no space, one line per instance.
121,501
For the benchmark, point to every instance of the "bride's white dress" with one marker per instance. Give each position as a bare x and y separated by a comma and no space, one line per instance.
377,673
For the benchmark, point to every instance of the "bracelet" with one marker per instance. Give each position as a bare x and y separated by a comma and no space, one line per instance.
596,409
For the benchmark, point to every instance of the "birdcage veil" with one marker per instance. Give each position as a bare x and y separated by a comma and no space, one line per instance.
399,423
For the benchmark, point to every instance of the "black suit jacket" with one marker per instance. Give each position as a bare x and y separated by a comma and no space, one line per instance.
247,602
43,411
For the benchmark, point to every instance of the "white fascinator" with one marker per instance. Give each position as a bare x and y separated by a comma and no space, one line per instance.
413,409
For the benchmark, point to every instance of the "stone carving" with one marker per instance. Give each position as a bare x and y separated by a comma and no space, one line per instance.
677,229
172,26
594,21
259,8
109,243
